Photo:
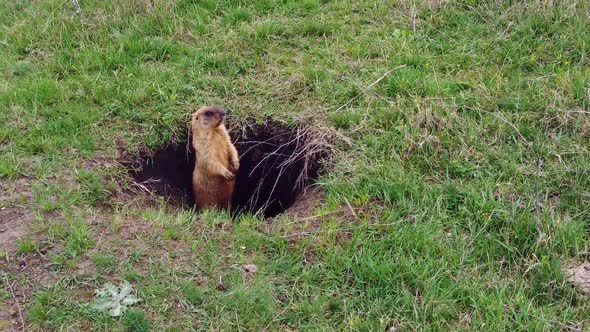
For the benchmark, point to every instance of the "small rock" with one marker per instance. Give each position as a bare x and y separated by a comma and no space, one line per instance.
222,287
250,268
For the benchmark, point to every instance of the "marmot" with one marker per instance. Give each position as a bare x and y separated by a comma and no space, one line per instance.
216,159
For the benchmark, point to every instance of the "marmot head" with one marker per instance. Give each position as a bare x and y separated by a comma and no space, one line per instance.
208,117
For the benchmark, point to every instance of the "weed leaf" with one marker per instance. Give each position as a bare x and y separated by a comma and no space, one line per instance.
114,300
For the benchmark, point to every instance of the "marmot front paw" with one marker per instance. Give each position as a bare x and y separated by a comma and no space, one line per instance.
234,165
228,175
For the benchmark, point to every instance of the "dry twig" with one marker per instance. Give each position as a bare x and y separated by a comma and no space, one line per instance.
18,308
538,224
413,14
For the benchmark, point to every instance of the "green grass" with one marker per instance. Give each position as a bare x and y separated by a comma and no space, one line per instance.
441,175
135,321
26,246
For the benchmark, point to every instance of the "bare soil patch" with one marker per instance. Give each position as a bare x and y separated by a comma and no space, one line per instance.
579,275
14,195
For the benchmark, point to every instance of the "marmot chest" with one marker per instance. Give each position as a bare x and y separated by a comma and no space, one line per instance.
216,149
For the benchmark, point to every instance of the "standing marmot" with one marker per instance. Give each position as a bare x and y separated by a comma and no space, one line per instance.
216,159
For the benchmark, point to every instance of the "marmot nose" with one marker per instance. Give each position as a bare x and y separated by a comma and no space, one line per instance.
221,113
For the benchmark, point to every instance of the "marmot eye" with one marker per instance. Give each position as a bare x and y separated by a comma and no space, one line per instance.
208,113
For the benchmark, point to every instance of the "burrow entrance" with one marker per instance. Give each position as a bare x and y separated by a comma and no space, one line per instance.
276,164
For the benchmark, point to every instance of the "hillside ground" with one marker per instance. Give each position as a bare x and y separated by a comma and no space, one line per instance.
457,193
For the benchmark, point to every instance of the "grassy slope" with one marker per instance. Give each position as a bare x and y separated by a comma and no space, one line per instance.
441,173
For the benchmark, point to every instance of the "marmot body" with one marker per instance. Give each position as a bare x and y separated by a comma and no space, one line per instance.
216,159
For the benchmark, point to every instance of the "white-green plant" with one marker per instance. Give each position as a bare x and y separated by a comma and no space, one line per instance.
113,299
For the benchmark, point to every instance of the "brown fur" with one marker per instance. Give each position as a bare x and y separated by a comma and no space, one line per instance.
216,159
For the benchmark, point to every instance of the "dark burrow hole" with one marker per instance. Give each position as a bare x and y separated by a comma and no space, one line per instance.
276,164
